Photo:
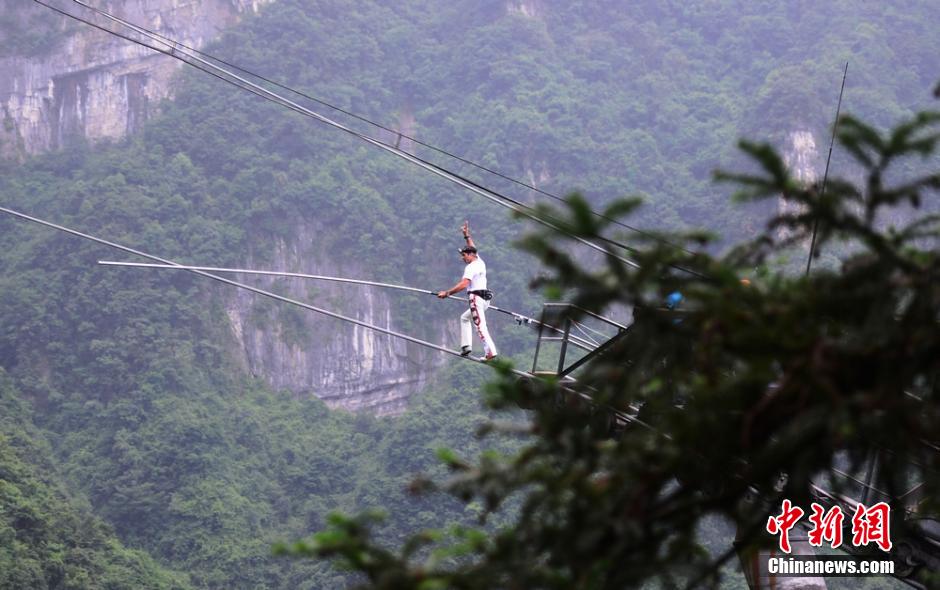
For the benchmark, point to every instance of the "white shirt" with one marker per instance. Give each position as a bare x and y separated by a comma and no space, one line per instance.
476,272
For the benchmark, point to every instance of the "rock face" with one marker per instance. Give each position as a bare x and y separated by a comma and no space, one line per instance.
801,158
92,85
346,365
528,8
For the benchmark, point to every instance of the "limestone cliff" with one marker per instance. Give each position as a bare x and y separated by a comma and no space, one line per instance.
346,365
801,158
85,83
528,8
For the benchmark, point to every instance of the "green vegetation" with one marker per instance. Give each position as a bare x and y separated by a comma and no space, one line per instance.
26,31
790,375
151,423
47,539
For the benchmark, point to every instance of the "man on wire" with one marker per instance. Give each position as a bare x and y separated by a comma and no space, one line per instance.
474,280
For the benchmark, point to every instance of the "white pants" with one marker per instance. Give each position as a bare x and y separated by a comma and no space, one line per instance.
477,316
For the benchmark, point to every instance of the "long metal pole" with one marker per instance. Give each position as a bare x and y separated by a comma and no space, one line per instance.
275,296
274,273
619,413
581,343
835,125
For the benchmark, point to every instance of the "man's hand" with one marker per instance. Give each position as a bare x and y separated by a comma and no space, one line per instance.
465,228
463,284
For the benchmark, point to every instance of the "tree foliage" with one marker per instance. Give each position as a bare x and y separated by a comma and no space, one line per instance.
47,540
791,375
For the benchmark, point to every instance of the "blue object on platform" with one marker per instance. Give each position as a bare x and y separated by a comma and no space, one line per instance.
673,300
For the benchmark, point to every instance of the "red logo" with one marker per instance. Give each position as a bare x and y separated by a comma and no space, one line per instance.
781,525
869,525
827,526
872,525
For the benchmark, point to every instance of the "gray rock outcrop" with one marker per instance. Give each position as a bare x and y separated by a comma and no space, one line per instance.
90,85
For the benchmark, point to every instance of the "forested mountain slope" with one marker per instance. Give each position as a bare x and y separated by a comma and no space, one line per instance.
47,539
175,429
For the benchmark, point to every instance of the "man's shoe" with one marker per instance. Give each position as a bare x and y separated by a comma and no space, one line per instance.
465,351
489,358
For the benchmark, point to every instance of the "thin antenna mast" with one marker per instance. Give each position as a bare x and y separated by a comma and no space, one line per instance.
835,125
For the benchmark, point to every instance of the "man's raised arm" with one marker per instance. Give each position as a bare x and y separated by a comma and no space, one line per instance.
465,228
